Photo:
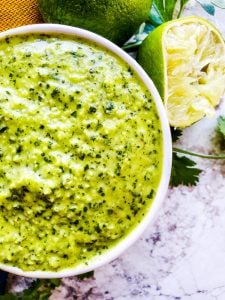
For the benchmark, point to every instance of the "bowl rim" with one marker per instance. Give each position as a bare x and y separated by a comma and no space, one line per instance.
115,251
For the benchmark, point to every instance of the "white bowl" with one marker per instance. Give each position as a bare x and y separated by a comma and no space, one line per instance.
120,247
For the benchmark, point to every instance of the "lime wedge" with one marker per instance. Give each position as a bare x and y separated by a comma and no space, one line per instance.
186,60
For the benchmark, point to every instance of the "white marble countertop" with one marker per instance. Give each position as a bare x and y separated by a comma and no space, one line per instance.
182,255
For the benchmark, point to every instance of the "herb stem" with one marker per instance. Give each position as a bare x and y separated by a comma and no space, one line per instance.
131,46
209,156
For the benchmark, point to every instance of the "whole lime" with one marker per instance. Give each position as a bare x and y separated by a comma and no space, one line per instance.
116,20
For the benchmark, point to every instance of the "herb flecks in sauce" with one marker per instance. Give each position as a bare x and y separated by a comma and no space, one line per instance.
80,151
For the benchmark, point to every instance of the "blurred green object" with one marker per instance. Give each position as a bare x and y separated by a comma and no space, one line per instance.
116,20
40,289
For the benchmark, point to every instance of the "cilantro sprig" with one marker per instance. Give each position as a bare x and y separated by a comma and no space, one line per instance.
183,169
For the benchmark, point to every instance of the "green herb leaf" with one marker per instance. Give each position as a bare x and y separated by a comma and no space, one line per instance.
155,17
40,289
183,171
221,125
175,134
163,11
220,133
139,36
181,7
207,6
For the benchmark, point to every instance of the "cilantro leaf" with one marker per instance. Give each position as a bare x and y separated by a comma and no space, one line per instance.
40,289
175,134
183,171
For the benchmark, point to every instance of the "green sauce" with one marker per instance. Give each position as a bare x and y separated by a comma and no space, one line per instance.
80,152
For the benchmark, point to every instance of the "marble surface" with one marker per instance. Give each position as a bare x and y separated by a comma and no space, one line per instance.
182,255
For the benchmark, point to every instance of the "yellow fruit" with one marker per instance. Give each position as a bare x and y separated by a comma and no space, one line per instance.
186,60
116,20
